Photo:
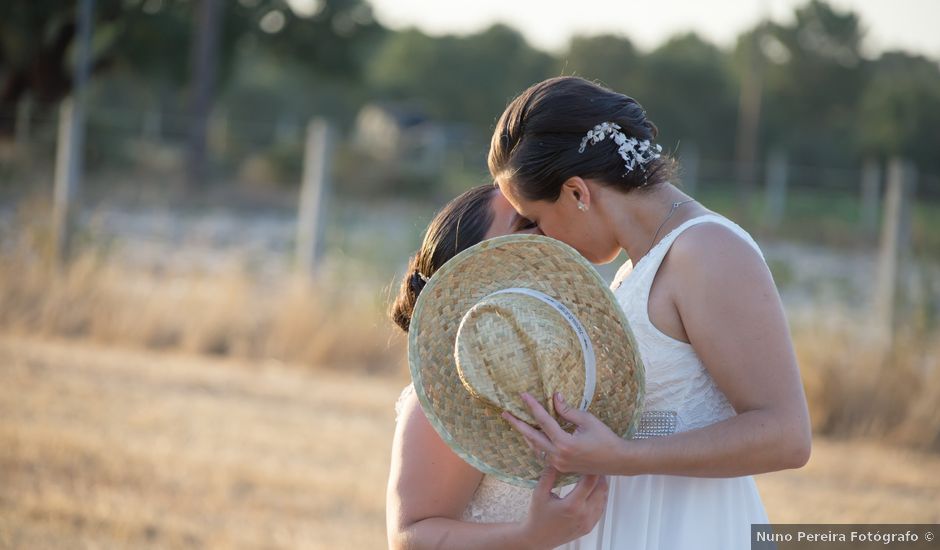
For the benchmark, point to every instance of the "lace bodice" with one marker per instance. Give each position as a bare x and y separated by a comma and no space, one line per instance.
676,379
494,501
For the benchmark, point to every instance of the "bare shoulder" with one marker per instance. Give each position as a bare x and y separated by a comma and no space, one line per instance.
420,441
426,479
412,418
714,250
724,291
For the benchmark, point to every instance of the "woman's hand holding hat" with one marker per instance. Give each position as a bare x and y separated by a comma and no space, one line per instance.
588,450
555,520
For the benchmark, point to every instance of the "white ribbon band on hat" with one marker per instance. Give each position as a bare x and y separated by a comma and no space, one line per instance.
587,350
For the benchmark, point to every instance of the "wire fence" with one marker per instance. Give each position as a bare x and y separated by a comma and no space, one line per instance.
863,238
256,163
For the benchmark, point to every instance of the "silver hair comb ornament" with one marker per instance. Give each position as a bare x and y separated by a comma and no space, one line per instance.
634,152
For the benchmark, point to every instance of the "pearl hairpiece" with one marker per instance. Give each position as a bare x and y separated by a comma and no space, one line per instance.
634,152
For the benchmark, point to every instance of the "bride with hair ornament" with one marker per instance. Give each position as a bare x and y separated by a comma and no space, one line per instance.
723,389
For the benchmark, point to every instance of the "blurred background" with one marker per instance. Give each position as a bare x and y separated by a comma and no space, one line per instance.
206,206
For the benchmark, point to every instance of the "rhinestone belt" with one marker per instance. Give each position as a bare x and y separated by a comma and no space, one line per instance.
655,424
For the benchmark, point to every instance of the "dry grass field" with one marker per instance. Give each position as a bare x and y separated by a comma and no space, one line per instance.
114,448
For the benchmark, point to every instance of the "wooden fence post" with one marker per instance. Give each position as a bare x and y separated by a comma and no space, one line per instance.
314,188
71,141
895,244
67,180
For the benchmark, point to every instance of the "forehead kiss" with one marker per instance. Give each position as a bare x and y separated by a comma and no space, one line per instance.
506,219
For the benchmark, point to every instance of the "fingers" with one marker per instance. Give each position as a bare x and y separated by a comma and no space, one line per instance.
602,486
536,439
546,481
539,454
571,414
584,488
545,420
598,496
596,503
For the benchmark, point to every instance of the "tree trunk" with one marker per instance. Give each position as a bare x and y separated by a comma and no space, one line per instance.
204,61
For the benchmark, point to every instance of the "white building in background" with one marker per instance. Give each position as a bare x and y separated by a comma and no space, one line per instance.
402,133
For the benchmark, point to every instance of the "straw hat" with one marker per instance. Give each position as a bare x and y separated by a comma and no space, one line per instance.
512,314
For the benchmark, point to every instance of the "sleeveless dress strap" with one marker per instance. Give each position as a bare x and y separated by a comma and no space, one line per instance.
636,287
644,271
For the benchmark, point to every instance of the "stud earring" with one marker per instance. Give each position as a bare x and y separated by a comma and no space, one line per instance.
582,207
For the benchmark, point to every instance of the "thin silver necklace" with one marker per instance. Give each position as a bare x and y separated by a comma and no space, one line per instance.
672,211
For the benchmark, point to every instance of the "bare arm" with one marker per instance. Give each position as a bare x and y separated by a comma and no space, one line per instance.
429,487
733,317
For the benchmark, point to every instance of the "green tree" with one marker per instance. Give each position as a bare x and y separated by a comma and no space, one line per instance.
150,40
899,112
814,76
692,95
36,39
610,60
458,78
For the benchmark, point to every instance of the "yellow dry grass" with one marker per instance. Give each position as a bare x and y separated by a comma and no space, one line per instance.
854,386
860,387
107,447
232,310
116,448
224,314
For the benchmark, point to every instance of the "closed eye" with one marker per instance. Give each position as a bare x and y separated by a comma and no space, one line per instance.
527,226
524,224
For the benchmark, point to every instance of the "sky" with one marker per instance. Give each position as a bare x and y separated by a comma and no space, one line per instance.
909,25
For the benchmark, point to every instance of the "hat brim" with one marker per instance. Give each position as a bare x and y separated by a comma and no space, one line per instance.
473,429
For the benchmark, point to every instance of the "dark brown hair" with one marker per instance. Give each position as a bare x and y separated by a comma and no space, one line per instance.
537,138
462,223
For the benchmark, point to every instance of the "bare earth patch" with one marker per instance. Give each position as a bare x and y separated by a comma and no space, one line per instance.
102,447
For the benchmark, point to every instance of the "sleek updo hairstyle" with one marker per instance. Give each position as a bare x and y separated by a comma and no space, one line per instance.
536,141
462,223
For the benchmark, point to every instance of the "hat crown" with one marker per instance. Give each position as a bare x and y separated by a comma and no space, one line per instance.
557,275
509,343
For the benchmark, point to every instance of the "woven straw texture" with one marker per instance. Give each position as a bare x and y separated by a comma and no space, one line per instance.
472,427
514,343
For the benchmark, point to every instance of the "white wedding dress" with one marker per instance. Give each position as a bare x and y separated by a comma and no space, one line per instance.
660,512
655,512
